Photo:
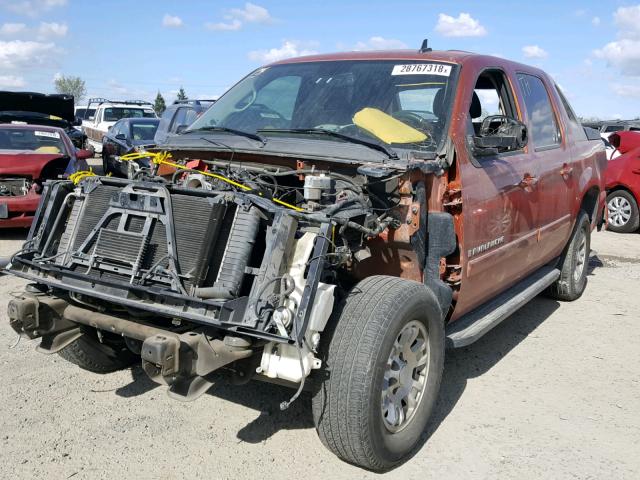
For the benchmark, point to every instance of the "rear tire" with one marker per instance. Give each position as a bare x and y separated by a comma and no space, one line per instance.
106,168
574,263
89,354
622,212
382,362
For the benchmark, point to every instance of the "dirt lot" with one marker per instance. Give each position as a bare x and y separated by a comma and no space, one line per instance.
554,392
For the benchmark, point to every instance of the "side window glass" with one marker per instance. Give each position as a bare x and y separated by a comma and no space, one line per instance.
574,124
190,116
179,119
543,126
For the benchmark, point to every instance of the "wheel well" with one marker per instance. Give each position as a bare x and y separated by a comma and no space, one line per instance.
617,188
590,202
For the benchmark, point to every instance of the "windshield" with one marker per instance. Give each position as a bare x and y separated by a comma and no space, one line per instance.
113,114
14,140
370,100
143,131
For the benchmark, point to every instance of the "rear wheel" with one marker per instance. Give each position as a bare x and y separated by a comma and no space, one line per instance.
382,365
574,264
623,215
89,353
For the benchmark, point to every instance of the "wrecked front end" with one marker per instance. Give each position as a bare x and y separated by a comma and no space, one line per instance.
197,274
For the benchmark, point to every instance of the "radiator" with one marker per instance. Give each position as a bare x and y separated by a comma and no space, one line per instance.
145,237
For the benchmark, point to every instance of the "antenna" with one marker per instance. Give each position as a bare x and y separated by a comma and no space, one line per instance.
425,46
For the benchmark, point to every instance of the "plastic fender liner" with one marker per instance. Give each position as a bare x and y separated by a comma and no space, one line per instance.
441,242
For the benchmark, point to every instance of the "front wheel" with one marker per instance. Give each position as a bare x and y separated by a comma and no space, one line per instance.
382,370
623,215
106,168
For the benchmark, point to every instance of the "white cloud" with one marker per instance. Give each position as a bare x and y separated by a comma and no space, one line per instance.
11,81
18,54
380,43
225,27
12,28
288,49
595,21
252,13
628,21
31,8
462,26
171,21
623,90
237,17
46,30
534,51
624,53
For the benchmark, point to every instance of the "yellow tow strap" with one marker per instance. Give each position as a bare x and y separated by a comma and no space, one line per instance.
76,177
162,158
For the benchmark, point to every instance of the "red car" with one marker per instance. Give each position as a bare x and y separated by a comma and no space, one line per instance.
623,183
29,155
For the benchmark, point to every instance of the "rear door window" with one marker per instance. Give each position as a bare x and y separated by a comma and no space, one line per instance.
574,124
543,125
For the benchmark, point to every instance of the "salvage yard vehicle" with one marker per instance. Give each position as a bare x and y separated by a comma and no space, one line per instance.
127,136
333,222
54,110
107,113
180,115
30,155
623,183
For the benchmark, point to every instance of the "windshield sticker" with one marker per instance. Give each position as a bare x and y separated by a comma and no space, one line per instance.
422,69
40,133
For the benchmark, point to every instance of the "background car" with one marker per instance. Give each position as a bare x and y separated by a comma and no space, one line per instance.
42,109
606,128
107,113
623,183
126,136
29,155
181,113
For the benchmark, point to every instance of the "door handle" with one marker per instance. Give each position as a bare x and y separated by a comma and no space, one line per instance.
636,171
566,170
528,182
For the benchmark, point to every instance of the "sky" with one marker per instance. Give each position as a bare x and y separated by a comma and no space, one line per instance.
127,49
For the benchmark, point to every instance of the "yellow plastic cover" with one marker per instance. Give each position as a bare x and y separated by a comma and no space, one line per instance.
387,128
47,149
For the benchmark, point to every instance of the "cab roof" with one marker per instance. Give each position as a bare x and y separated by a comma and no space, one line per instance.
458,57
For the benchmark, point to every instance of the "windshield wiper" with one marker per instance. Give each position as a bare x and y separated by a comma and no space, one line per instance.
242,133
323,131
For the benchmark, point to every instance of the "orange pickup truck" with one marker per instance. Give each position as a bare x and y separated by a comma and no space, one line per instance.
333,222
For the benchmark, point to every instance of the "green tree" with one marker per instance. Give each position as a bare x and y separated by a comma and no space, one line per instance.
71,86
159,105
181,94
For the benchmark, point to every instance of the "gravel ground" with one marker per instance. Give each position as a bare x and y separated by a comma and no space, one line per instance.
554,392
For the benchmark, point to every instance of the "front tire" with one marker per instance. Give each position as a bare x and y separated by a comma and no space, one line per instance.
383,366
574,263
106,168
622,210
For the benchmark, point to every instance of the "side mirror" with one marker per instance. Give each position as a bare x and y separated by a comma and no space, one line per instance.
83,154
181,128
499,134
92,118
77,121
121,136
